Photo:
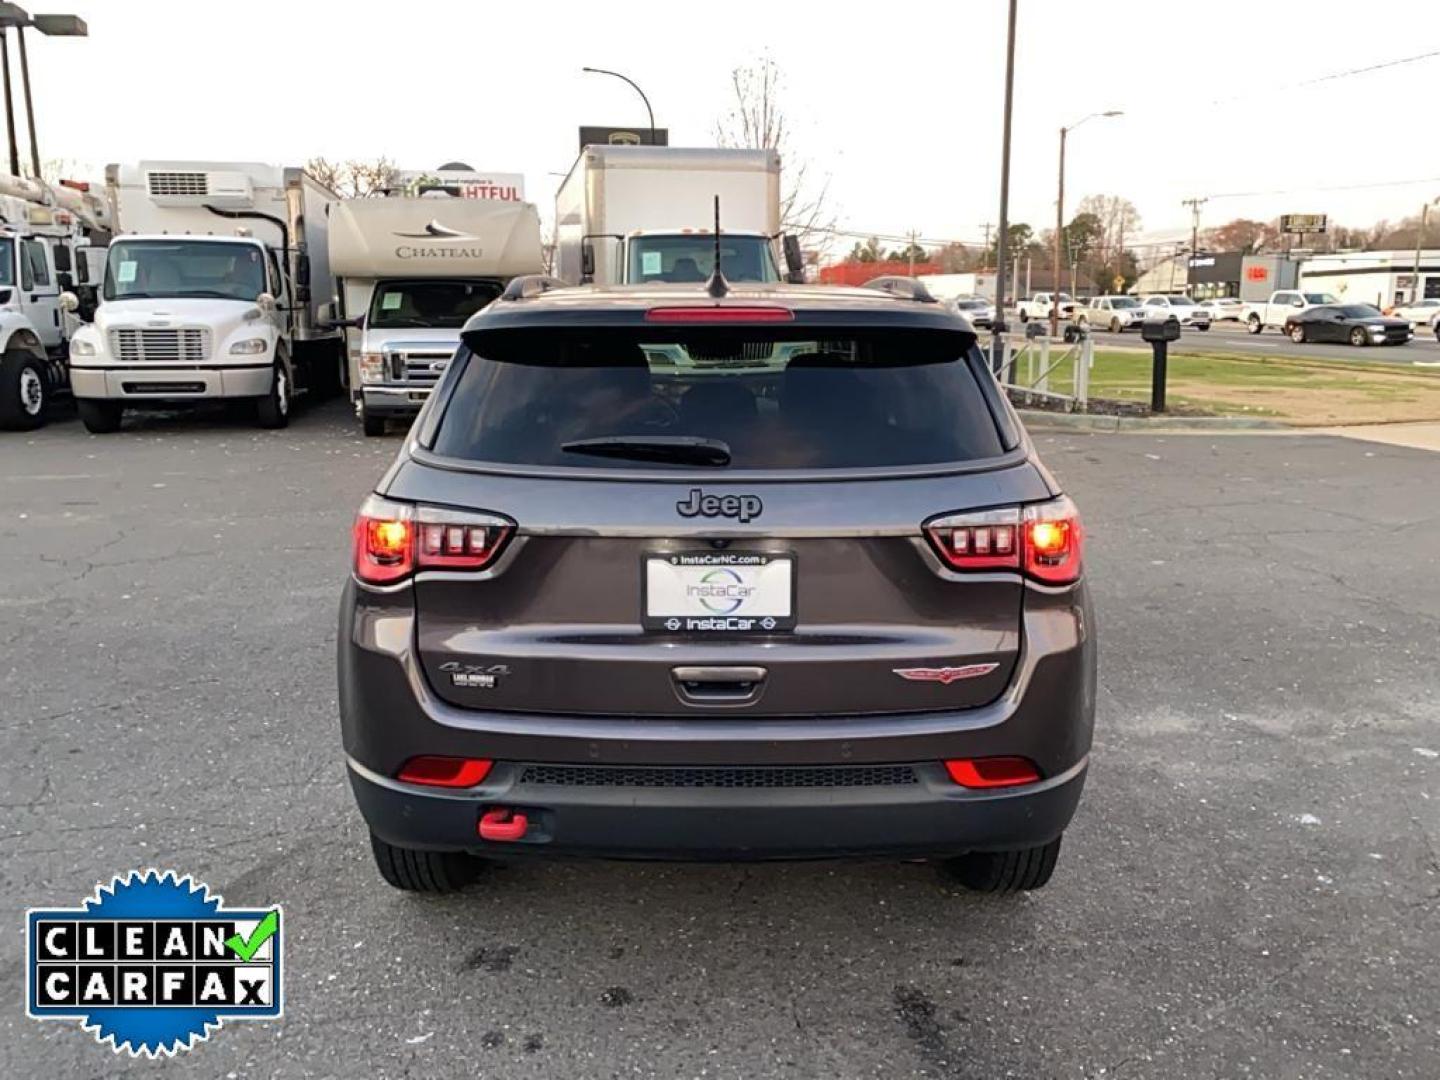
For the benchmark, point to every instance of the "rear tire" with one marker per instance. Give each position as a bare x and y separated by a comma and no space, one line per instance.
374,426
1253,324
24,391
1024,317
99,417
1297,334
1115,326
1359,337
273,410
413,870
1004,871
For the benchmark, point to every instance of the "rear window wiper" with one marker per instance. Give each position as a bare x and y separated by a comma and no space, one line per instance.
676,449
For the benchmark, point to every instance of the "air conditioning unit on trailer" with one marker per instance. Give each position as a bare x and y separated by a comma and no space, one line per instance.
185,187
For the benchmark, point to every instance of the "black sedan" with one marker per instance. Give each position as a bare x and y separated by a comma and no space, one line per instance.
1359,324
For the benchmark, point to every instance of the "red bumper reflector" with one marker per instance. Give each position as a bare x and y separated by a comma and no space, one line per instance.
436,771
992,772
502,825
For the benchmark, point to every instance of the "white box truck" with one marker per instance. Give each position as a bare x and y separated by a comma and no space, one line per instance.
409,272
630,215
51,245
218,287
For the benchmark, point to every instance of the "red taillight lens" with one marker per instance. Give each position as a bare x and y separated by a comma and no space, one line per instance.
454,772
1044,540
384,541
987,540
1054,541
718,314
394,539
992,772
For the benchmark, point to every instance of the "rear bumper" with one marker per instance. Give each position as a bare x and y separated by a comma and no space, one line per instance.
172,383
394,400
930,816
389,713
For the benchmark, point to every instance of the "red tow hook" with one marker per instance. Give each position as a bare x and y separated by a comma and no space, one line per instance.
502,824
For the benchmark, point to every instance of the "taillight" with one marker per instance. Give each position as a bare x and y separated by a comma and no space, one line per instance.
395,539
992,772
1044,540
752,314
384,541
452,772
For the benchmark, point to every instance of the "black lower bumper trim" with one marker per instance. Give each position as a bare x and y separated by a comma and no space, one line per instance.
931,817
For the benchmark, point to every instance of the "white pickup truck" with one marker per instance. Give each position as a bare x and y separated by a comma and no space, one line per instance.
1039,305
1280,306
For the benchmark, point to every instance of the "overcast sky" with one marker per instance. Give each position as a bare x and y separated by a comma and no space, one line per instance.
899,104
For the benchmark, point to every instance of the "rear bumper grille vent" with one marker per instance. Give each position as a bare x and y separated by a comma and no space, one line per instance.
840,776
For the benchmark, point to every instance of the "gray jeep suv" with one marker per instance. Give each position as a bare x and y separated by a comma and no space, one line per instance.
664,574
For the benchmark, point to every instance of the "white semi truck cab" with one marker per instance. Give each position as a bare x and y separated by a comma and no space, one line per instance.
410,271
630,215
51,244
218,287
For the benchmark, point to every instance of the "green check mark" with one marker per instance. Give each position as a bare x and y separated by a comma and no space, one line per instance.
246,948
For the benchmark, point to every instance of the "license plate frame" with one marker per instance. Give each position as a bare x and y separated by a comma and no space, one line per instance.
744,567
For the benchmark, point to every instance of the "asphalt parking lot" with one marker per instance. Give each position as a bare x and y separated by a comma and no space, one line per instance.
1252,886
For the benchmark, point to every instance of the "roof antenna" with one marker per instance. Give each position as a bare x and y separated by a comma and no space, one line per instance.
717,286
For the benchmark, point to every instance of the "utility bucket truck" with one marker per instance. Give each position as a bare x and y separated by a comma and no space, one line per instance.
217,289
51,242
628,215
409,273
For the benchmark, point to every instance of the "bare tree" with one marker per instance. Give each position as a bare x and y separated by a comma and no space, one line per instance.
757,120
354,179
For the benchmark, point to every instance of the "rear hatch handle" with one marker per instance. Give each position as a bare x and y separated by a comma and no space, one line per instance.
718,684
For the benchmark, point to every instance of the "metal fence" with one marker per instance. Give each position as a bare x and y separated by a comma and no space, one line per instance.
1044,370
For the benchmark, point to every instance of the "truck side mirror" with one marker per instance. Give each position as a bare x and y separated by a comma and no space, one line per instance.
587,261
69,302
302,270
265,302
794,259
65,280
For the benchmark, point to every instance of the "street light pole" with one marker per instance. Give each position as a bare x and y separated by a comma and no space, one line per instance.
9,106
635,87
1060,217
997,327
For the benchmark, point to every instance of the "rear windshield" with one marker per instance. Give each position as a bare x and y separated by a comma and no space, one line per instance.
897,398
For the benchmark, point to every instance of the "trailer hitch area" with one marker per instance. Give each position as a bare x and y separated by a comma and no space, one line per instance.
502,825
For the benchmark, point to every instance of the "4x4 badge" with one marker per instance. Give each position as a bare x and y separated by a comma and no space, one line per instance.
742,507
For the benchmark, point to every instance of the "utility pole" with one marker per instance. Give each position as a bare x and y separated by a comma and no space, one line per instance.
1059,232
997,329
1415,291
910,251
9,107
1194,204
985,258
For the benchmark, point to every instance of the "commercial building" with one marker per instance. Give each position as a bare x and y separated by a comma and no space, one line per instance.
1381,278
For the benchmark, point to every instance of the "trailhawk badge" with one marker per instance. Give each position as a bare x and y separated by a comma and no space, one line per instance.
152,962
944,675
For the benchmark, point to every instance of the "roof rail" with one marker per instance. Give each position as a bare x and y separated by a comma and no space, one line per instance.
529,286
907,288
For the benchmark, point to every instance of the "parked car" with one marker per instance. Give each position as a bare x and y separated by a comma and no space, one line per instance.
1283,303
1359,324
1422,313
1165,305
592,606
1113,313
1224,309
1039,306
977,309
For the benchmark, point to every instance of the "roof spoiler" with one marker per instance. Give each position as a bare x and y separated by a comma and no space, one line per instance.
529,286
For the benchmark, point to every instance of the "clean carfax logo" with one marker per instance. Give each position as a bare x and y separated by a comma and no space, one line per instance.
743,507
152,962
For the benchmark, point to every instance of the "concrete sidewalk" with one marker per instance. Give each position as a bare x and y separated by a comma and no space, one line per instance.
1421,436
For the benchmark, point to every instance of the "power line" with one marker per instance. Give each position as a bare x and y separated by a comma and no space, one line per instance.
1332,187
1331,77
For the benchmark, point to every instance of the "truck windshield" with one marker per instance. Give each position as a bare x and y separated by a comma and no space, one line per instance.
7,263
691,258
139,269
436,304
1321,298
